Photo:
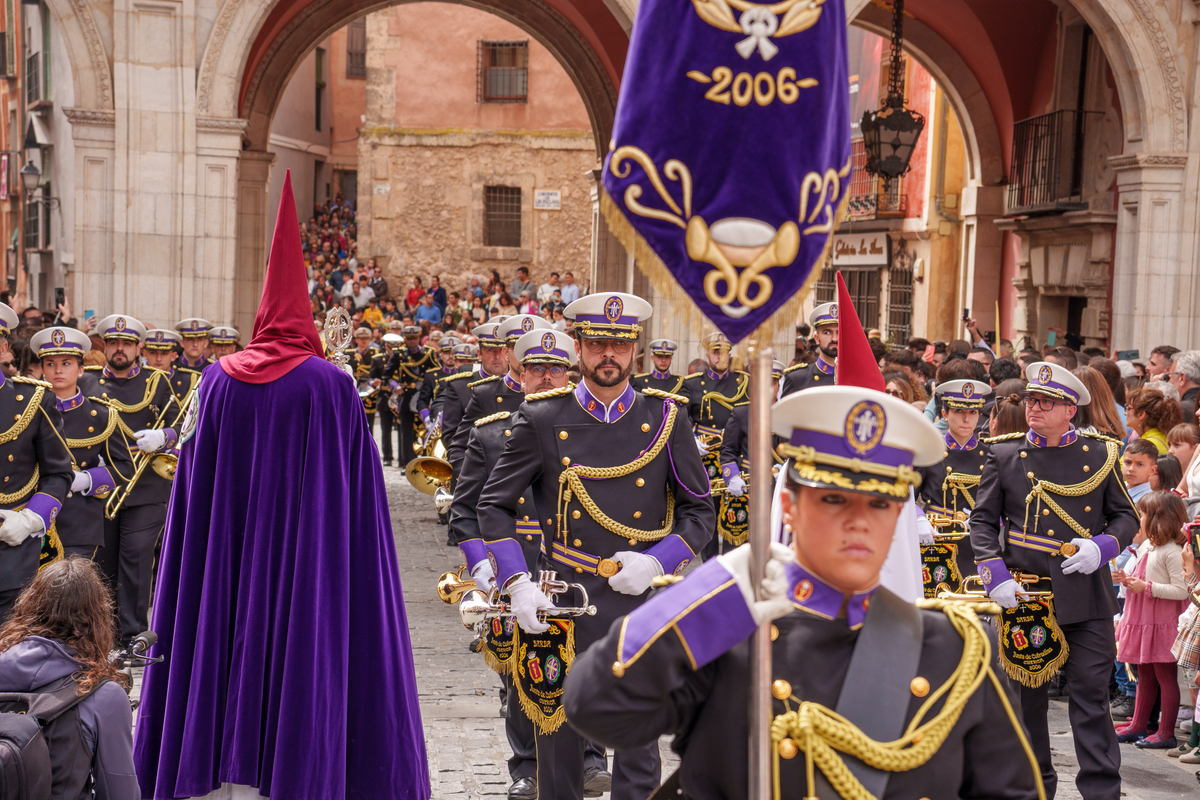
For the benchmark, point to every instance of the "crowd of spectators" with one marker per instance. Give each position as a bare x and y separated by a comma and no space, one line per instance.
1150,407
338,277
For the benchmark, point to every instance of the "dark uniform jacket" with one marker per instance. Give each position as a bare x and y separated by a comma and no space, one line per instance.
199,366
1105,513
735,443
37,468
407,368
430,386
711,398
693,679
451,402
365,370
485,443
181,381
567,427
943,495
139,400
806,374
90,430
488,396
666,382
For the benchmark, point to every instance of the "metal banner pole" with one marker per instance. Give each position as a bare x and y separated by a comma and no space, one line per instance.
761,490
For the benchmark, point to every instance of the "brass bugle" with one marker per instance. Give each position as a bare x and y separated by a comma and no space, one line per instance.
478,606
142,460
451,586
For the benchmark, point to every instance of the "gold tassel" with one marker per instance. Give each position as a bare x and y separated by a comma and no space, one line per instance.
681,304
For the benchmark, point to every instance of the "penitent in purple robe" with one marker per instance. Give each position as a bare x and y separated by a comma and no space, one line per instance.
279,611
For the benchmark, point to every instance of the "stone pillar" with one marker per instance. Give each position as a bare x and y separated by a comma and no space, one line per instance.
92,278
1153,291
612,268
981,242
217,181
250,265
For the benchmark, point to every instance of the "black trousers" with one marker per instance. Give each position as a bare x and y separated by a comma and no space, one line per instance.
1092,652
561,763
127,560
92,552
387,424
522,740
408,432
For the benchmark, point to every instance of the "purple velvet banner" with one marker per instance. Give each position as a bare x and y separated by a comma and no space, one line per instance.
731,147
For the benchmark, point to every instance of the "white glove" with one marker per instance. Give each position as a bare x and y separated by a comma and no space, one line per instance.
18,526
527,600
637,570
82,483
736,486
150,441
925,531
1086,560
101,460
485,579
701,446
1005,594
775,603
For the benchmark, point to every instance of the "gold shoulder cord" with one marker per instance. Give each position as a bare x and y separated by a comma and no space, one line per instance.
569,481
958,483
151,386
1043,489
35,404
706,400
821,733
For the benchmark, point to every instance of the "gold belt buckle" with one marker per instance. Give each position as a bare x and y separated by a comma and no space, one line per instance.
1068,549
607,568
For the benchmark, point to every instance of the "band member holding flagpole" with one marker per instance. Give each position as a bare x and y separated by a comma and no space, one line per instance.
1052,509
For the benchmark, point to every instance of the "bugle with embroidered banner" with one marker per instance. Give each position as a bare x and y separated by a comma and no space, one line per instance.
730,160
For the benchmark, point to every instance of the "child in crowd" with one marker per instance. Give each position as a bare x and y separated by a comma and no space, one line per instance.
1187,652
1156,593
1167,473
1138,465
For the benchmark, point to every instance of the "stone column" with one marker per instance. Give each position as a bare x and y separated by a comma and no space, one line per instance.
981,242
217,180
253,175
1153,291
92,278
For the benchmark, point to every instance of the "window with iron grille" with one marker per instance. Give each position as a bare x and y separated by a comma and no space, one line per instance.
825,289
319,85
503,72
33,78
864,287
502,216
900,301
356,49
32,229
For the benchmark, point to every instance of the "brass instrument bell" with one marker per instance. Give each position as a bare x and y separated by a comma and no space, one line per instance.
428,473
451,586
442,500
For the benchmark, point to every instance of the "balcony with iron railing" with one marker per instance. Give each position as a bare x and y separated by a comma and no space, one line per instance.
1046,176
870,196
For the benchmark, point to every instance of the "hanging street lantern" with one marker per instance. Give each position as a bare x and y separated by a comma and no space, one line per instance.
890,134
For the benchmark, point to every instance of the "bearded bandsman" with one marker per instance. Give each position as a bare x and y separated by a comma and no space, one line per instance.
99,455
195,342
620,497
160,351
1051,504
145,407
662,353
824,321
948,488
37,475
712,396
224,340
855,670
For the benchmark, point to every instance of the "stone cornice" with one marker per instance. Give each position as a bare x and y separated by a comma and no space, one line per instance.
222,124
1133,160
91,116
462,137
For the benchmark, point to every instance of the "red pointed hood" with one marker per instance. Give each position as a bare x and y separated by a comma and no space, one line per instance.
284,333
856,365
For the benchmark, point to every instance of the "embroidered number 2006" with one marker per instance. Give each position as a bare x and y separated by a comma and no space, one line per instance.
762,88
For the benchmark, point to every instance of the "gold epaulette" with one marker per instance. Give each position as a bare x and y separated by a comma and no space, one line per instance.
1102,437
795,367
493,418
642,375
34,381
1004,437
693,375
678,398
160,371
184,369
94,368
457,376
559,392
743,403
488,379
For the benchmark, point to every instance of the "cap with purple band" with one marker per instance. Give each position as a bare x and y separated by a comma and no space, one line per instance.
121,326
824,314
518,325
8,319
194,328
613,315
546,347
161,339
486,334
963,395
1056,381
60,342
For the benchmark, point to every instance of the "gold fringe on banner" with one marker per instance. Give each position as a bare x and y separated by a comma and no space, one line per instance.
682,305
497,666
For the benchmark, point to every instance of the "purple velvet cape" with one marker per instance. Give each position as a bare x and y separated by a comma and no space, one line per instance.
278,607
